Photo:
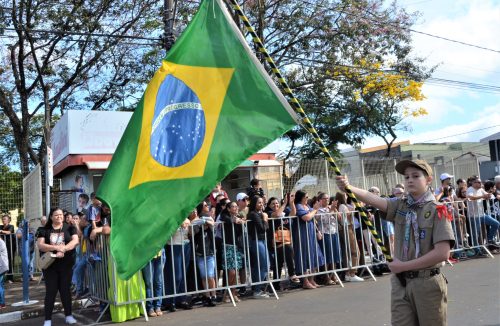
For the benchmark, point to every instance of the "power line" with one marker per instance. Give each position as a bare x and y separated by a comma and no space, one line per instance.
315,4
82,41
432,80
460,134
83,34
403,27
454,41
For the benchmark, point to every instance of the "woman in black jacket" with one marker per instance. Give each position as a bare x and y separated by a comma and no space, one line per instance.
257,227
204,241
232,235
8,235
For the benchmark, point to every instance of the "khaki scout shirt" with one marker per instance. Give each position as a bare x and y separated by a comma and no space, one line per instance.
431,228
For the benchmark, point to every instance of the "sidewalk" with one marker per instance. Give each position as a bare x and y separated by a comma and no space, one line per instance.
14,294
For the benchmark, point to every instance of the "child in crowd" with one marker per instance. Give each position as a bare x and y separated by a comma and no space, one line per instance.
95,211
423,236
83,202
84,229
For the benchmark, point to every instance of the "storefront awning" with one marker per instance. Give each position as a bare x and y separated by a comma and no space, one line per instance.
97,165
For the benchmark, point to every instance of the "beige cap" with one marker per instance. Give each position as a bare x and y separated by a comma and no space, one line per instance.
419,164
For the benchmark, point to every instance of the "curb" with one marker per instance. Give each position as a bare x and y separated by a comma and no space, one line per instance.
37,312
10,317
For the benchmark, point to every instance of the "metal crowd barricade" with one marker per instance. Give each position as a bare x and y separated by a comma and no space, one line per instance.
14,244
194,247
101,278
470,229
12,254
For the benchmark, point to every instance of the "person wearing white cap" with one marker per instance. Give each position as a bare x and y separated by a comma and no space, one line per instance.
242,201
446,191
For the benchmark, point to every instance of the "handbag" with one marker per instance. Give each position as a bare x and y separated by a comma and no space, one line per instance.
319,235
282,236
46,260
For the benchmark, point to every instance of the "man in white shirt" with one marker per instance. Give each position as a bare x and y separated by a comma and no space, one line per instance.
476,194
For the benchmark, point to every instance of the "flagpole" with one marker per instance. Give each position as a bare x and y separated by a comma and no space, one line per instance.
294,102
168,24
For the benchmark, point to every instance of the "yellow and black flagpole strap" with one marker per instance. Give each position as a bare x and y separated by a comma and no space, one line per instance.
294,102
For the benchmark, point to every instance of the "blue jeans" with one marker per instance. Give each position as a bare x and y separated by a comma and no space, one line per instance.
32,263
152,274
260,262
488,220
2,292
174,271
79,274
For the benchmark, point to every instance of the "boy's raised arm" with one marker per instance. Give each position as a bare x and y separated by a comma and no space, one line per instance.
362,195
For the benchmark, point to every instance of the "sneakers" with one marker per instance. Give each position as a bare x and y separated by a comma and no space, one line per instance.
260,295
492,244
152,313
210,302
47,323
158,312
354,278
70,320
470,253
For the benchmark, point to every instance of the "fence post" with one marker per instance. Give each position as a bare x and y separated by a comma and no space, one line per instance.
47,187
453,168
478,170
363,173
25,258
327,178
395,173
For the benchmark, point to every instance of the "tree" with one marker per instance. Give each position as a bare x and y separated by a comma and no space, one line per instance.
96,54
78,55
379,97
334,55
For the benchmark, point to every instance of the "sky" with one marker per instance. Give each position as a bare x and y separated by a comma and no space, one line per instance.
454,114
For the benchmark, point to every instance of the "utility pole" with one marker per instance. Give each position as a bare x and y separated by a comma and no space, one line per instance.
168,23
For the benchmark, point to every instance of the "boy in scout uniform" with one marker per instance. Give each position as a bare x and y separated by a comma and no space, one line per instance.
423,236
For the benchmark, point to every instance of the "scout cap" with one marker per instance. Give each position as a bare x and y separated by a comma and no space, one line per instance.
419,164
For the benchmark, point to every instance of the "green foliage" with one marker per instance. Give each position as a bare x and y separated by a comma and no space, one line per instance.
11,190
311,39
94,66
86,59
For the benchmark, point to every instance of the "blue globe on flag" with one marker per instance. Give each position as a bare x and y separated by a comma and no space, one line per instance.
179,124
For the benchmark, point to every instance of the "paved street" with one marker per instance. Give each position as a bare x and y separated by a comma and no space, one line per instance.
474,299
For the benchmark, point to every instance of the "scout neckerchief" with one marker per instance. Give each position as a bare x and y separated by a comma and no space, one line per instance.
411,222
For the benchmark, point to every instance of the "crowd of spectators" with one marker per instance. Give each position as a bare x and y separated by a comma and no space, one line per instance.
303,240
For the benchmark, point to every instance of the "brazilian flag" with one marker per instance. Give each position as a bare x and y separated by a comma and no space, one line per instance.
209,107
